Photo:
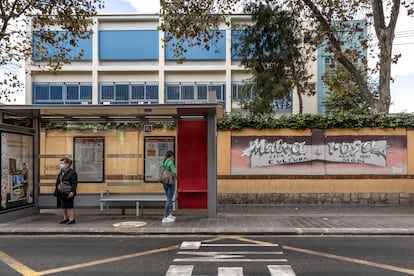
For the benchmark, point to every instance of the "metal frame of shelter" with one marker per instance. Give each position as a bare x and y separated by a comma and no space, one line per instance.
26,119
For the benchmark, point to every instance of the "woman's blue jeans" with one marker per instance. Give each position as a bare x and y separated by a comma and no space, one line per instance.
169,192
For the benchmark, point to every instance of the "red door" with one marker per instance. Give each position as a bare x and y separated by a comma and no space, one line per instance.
192,164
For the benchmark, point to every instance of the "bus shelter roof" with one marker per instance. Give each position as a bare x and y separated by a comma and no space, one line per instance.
129,112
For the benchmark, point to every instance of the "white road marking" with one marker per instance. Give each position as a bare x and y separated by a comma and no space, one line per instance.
187,270
281,270
224,257
230,252
237,244
230,257
190,245
180,270
230,271
220,260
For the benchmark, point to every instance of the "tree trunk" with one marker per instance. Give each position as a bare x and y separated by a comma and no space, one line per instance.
300,99
385,36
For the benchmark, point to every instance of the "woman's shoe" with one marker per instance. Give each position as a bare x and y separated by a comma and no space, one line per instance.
71,222
64,221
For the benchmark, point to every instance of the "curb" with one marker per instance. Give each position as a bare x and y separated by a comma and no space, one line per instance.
210,232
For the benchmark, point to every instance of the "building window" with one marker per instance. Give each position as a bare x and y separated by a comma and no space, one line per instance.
173,92
85,92
187,92
202,92
237,94
219,91
128,93
329,61
72,92
56,92
194,92
151,92
108,92
137,92
62,93
122,92
310,86
41,92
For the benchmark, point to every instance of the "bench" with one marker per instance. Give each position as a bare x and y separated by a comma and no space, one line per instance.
107,198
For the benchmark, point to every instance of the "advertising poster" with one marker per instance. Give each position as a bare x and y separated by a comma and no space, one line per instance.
343,155
89,159
17,170
155,150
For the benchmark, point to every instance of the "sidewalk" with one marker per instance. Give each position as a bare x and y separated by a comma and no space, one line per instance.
231,219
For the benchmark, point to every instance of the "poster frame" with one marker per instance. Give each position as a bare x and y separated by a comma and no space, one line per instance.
76,166
160,157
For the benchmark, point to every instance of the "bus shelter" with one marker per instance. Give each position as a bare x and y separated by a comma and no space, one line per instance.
195,140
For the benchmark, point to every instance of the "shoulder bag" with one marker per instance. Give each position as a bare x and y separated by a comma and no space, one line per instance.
166,176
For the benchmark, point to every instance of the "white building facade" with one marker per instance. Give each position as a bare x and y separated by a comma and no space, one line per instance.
125,62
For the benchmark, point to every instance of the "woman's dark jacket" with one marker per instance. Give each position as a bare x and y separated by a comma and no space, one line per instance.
71,176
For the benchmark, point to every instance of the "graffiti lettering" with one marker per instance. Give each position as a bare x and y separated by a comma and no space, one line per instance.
357,146
262,146
261,152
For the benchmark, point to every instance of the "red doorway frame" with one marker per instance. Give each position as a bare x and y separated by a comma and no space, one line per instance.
192,164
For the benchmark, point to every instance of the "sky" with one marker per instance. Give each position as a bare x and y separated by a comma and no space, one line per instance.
402,87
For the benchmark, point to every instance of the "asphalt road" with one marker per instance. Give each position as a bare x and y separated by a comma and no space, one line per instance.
204,255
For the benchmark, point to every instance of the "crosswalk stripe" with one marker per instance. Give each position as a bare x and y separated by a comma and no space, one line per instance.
180,270
187,270
281,270
238,245
190,245
230,271
206,259
213,253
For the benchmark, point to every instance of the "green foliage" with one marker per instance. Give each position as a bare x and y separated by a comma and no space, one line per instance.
271,49
108,126
238,121
73,17
343,93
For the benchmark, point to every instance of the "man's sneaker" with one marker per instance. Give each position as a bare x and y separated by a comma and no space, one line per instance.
171,217
167,219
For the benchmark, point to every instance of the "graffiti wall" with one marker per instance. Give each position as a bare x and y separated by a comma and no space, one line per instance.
318,155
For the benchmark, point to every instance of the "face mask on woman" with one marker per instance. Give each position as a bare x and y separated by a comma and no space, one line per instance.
62,166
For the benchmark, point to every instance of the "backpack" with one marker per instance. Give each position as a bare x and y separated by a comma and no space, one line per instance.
166,176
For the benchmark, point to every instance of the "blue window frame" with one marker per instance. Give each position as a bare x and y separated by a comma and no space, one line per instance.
194,92
202,92
122,92
138,92
41,92
56,92
85,92
152,92
173,92
62,93
72,92
187,92
219,91
236,89
128,93
108,92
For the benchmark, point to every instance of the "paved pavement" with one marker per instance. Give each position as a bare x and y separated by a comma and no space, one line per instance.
230,220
